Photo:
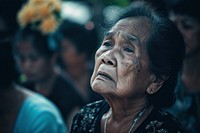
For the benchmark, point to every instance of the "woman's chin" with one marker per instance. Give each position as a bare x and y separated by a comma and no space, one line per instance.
99,87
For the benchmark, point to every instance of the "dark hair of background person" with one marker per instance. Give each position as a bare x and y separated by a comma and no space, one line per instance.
8,72
84,40
185,7
166,50
45,44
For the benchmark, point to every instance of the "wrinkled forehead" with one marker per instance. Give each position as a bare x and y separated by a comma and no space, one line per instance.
136,26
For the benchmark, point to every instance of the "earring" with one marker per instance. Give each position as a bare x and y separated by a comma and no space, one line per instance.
150,91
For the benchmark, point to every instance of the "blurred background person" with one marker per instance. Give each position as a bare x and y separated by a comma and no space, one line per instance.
21,110
77,46
35,51
185,13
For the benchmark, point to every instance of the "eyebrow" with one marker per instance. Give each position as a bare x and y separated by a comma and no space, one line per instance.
130,38
109,33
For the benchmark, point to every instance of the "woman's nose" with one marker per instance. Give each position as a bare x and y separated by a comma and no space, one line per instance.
26,64
109,59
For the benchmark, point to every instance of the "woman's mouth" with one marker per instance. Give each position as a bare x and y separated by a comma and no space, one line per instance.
104,75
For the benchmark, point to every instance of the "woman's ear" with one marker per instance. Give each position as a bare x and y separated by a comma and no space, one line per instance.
156,84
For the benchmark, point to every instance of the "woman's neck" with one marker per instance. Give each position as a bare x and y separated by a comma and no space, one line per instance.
45,86
127,108
126,115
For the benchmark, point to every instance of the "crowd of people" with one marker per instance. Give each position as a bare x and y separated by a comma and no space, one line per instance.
137,72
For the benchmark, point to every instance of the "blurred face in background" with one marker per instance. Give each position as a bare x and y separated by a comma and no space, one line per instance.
33,64
190,28
70,55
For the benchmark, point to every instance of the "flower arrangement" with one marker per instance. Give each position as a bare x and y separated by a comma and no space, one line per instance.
43,15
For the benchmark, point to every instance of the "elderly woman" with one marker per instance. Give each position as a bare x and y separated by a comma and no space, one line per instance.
136,71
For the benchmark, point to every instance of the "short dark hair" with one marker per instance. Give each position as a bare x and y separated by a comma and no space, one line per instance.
165,48
44,43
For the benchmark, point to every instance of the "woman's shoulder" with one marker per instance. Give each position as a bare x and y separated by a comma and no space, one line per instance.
89,115
39,113
162,121
37,104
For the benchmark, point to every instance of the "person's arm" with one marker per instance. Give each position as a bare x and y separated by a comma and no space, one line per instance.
38,115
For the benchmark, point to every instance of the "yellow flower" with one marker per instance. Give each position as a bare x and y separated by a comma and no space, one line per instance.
41,14
56,4
43,11
36,1
26,15
49,25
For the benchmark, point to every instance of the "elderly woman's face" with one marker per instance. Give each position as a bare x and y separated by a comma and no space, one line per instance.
121,62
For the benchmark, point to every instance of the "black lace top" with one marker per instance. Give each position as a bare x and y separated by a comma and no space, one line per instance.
88,120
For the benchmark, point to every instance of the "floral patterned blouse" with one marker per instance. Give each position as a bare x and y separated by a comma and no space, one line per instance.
89,118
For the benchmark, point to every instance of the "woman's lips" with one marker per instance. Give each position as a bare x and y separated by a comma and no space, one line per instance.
105,75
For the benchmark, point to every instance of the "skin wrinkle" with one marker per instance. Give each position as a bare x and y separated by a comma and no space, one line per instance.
130,39
101,56
142,30
135,68
125,108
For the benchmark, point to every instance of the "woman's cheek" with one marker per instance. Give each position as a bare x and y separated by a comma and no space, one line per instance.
133,67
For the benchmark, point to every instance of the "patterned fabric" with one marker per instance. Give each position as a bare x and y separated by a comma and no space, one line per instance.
89,119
